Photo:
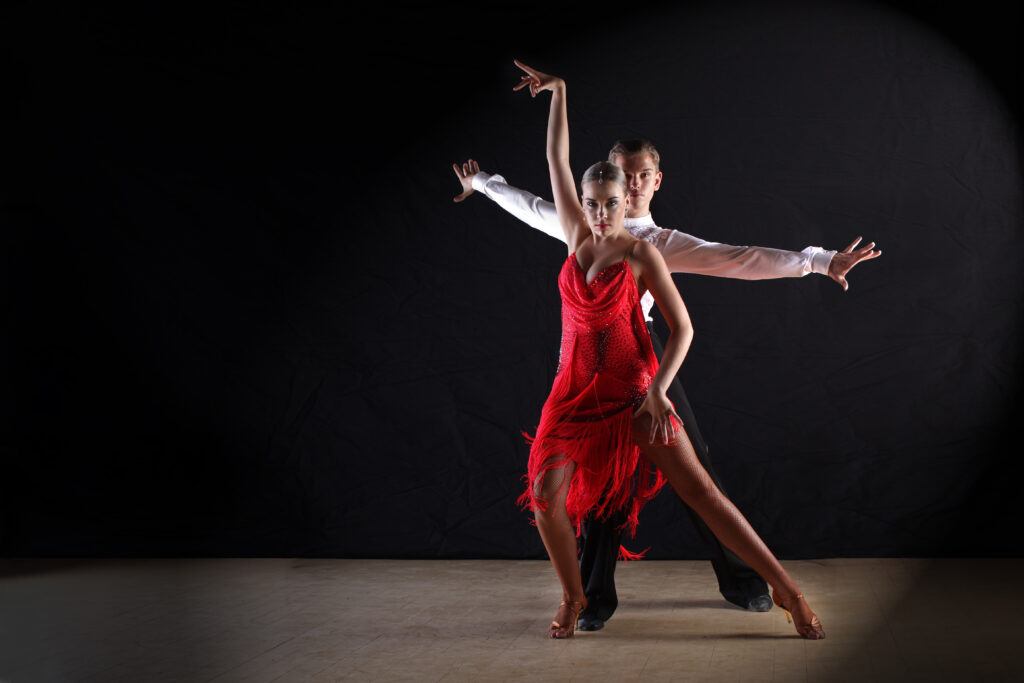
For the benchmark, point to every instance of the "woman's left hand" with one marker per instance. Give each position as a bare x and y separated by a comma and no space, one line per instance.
661,411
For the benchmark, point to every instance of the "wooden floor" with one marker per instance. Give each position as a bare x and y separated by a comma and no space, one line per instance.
254,620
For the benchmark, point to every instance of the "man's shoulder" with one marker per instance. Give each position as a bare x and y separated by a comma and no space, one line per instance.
652,235
663,238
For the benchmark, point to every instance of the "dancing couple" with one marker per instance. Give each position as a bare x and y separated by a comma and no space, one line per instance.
610,434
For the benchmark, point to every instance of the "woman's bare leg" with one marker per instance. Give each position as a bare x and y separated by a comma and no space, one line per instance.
678,462
560,540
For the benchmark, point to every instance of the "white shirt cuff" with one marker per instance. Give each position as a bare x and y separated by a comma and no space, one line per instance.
821,259
481,179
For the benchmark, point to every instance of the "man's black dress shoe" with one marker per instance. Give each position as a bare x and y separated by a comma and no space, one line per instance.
760,603
591,623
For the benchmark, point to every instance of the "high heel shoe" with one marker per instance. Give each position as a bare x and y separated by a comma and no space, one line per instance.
560,631
811,630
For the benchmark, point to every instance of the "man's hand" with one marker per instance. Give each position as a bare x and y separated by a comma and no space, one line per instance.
466,173
846,259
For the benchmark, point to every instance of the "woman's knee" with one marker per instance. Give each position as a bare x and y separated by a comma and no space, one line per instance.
549,484
699,492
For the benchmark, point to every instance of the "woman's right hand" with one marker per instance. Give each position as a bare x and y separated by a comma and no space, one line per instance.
537,80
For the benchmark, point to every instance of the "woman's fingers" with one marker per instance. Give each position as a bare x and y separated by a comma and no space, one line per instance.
662,428
524,68
657,429
532,78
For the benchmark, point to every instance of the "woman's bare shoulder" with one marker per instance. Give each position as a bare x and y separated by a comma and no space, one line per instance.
646,253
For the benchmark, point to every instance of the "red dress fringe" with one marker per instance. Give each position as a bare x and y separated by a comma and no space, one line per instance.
605,368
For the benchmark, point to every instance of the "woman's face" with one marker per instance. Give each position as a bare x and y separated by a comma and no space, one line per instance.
604,205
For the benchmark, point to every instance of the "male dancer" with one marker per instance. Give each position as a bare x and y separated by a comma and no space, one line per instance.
683,253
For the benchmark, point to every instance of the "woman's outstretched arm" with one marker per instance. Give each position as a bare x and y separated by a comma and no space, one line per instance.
658,280
563,186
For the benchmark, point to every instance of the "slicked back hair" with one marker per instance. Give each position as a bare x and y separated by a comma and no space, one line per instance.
637,146
604,172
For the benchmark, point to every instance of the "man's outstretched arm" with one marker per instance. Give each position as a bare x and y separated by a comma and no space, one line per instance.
688,254
529,208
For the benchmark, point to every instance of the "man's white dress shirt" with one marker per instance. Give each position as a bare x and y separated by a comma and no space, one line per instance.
683,253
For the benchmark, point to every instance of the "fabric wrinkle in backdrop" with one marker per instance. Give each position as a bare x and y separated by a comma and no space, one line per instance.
251,321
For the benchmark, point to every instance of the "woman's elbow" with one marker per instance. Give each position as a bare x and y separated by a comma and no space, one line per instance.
681,325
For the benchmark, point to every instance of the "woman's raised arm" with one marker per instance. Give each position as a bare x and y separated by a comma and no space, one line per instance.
563,186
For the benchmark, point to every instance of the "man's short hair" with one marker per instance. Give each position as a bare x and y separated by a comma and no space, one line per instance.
637,146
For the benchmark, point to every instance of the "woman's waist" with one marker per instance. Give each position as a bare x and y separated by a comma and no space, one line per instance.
603,385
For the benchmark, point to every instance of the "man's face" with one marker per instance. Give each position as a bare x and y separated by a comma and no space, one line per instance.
642,180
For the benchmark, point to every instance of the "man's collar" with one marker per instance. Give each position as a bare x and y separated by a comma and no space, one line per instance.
641,222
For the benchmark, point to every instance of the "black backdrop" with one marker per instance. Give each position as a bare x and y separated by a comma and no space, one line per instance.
244,316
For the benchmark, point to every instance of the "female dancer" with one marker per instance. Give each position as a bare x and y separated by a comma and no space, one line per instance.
591,452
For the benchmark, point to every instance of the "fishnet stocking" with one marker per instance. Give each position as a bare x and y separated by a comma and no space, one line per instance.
678,462
557,531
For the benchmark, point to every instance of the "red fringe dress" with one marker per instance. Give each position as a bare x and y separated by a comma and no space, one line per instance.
605,367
